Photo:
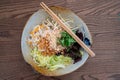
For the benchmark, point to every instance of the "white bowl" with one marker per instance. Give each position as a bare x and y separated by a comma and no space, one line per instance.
36,19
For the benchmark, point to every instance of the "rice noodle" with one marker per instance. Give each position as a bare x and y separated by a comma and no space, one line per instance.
45,36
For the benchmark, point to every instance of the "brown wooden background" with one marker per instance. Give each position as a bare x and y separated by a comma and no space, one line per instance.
102,18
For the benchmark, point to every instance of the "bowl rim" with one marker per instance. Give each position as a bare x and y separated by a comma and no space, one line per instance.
82,23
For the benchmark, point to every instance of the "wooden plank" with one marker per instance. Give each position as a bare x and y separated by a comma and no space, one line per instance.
102,18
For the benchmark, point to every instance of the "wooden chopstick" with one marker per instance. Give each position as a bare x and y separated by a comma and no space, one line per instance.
67,29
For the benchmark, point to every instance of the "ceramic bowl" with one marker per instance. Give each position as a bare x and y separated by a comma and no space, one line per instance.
36,19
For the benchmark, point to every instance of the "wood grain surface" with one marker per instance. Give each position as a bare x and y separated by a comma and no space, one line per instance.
102,18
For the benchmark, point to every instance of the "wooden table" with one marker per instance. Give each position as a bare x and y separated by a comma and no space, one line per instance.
102,18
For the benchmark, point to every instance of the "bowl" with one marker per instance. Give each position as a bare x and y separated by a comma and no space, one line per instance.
36,19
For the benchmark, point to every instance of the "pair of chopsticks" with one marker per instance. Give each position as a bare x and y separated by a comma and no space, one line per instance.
67,29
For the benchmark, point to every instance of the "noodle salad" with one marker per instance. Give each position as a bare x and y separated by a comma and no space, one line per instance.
53,48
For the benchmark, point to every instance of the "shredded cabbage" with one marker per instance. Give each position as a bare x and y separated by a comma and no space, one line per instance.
50,62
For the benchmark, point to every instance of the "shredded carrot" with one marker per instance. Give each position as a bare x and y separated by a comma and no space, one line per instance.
36,29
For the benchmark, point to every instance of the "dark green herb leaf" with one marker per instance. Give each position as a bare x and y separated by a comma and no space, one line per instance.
66,40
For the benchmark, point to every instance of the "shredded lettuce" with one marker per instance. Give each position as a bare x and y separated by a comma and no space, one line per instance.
50,62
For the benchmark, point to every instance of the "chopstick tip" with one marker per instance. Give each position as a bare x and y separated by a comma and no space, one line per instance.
93,55
41,3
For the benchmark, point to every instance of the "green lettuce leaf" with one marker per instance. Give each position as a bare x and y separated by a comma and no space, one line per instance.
50,62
